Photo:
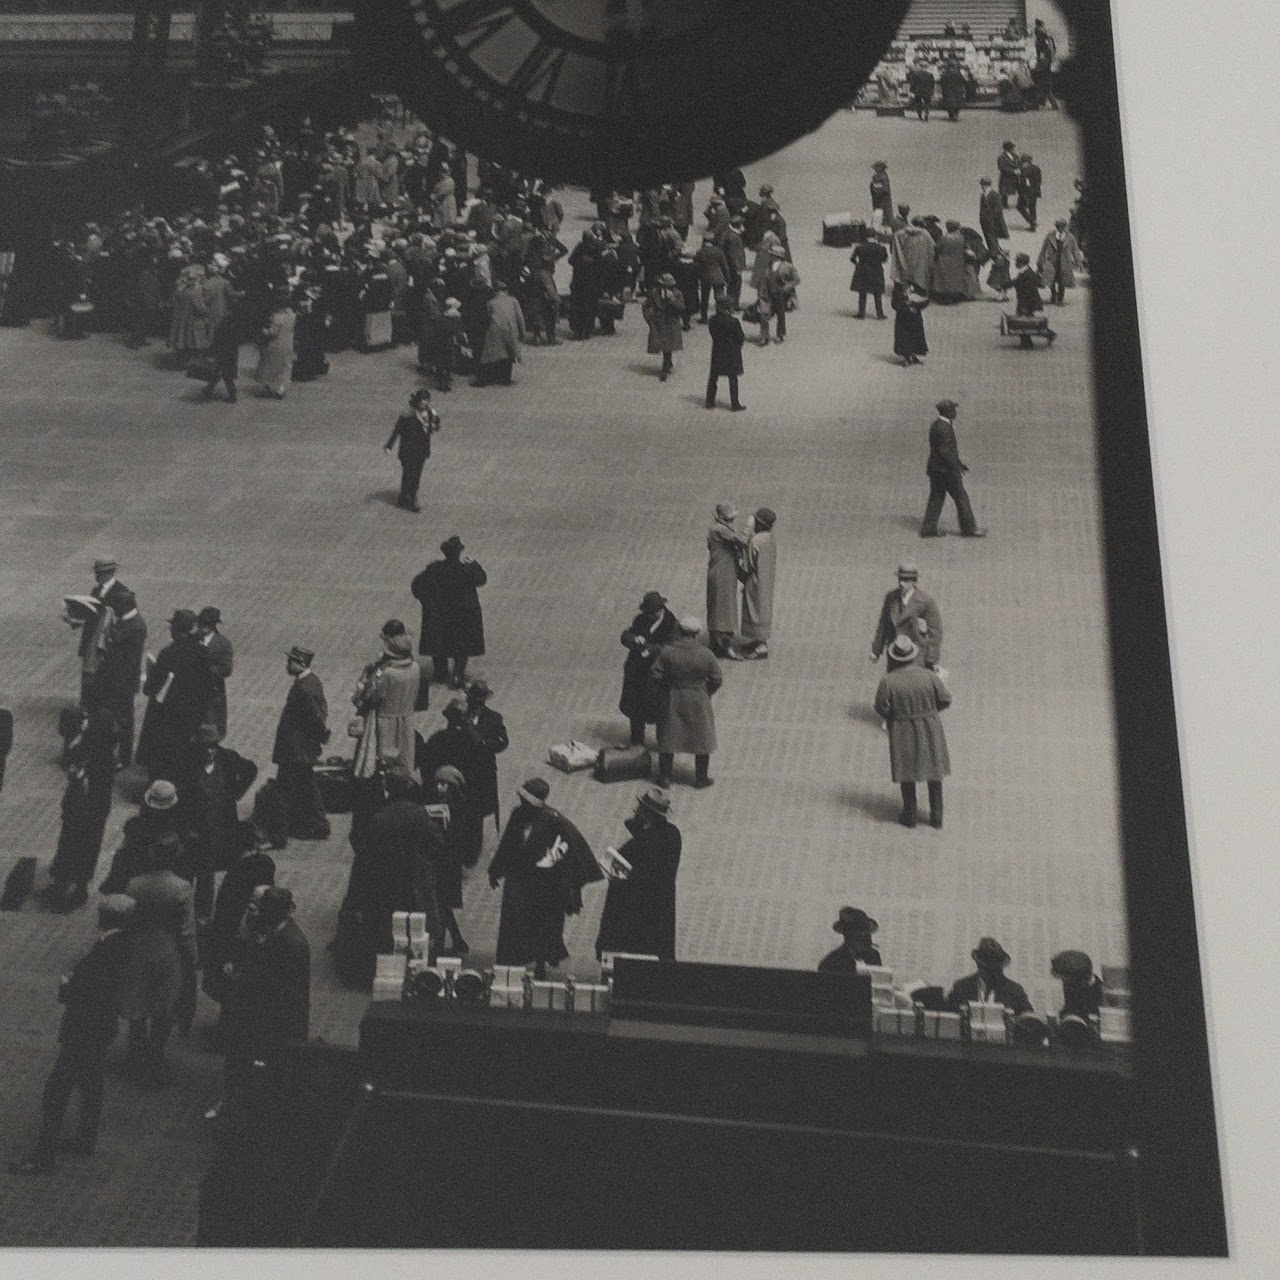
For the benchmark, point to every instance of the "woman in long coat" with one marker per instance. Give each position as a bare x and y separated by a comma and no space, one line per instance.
725,547
444,204
502,339
639,913
868,258
385,697
909,701
368,172
189,330
949,283
650,629
685,675
908,323
452,851
759,568
664,312
275,353
163,958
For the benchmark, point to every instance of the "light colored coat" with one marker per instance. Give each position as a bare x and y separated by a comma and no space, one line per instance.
761,561
685,675
275,358
1072,260
505,332
912,257
909,700
164,940
724,545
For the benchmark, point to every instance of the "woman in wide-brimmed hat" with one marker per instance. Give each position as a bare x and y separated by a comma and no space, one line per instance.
385,698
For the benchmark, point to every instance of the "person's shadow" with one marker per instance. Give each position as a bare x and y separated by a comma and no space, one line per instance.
878,805
391,497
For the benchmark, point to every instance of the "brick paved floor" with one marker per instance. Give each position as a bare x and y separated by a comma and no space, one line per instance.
578,489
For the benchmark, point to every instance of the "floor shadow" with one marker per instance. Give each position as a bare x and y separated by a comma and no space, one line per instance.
604,733
883,806
908,522
647,370
390,497
863,712
887,357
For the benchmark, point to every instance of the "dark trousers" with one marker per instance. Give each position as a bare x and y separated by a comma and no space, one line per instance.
667,760
148,1037
921,105
637,730
225,369
940,485
1057,291
707,291
410,477
440,668
668,362
734,290
80,1066
713,385
1027,207
909,802
302,800
550,318
862,303
496,373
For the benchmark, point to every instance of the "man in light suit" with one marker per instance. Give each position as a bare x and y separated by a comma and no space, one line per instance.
300,735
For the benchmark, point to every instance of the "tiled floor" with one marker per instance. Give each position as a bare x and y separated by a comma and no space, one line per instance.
578,489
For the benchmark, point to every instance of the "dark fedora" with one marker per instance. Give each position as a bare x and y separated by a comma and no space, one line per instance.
652,601
451,545
855,920
990,951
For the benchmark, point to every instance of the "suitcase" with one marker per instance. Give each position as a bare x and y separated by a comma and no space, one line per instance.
377,330
571,756
838,230
337,784
271,814
622,764
1026,326
18,886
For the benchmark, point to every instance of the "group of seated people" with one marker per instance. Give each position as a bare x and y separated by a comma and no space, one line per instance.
1083,992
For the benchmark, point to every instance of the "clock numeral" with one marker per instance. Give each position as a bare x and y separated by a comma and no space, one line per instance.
472,22
622,90
539,73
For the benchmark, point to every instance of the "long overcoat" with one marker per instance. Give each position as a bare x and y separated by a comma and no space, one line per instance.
303,728
189,329
727,339
268,1003
174,712
919,618
221,661
505,332
725,546
1059,262
912,253
948,266
663,312
164,941
1009,163
685,676
275,350
536,898
868,260
639,913
909,700
452,621
642,640
760,560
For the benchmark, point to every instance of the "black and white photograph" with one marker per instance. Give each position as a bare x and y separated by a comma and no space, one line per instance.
585,644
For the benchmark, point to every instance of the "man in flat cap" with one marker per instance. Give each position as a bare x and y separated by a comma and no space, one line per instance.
107,587
911,612
178,688
989,984
221,660
639,915
726,545
301,734
452,620
542,862
946,476
89,1025
856,928
685,676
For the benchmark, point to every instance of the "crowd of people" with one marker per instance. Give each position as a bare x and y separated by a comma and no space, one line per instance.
323,244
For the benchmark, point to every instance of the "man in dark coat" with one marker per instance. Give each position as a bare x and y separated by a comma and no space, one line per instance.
686,675
1009,164
727,339
639,915
735,255
267,1005
394,869
221,662
86,805
989,985
856,948
456,748
881,192
952,85
224,349
713,273
650,629
89,1025
946,476
120,673
178,689
542,862
452,622
414,431
207,818
1030,185
912,612
221,942
991,217
920,81
487,739
302,732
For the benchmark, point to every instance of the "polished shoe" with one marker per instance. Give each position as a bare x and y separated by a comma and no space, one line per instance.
737,408
907,820
932,533
779,340
732,655
975,533
703,783
708,406
935,821
662,375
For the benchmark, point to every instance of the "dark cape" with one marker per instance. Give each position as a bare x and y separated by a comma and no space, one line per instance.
640,912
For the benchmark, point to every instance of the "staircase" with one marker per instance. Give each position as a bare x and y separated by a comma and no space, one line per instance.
928,17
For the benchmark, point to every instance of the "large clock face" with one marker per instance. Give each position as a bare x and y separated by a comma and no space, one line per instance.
623,92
